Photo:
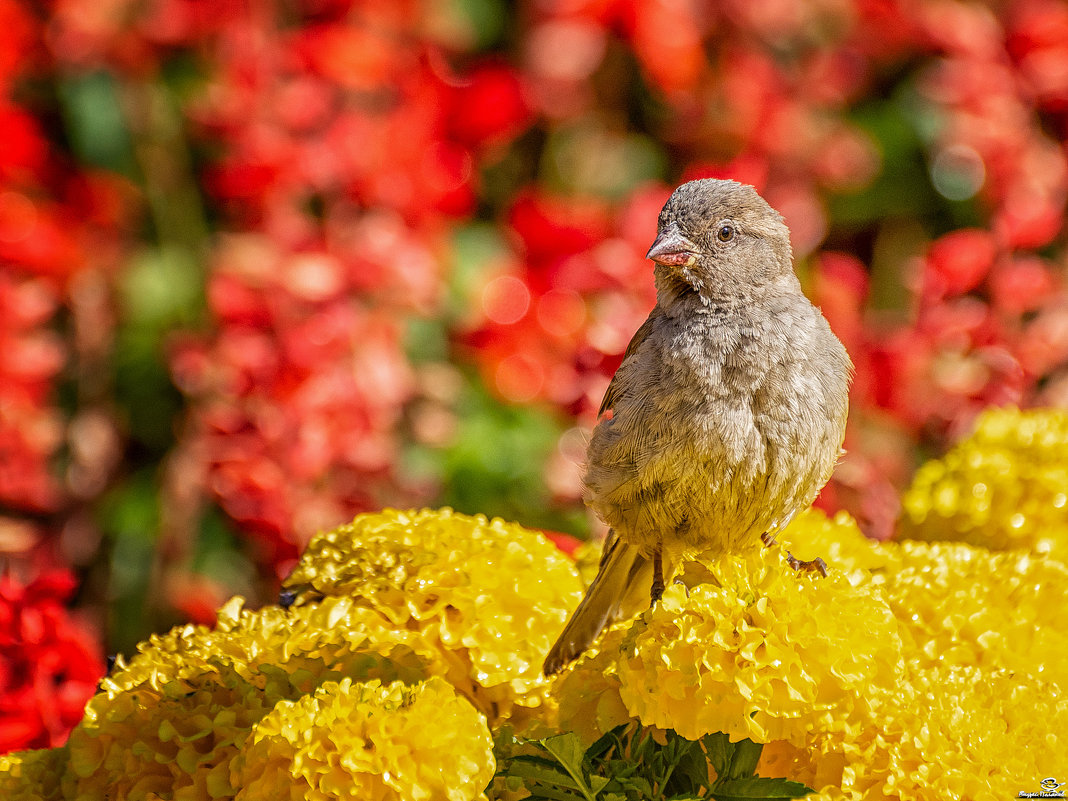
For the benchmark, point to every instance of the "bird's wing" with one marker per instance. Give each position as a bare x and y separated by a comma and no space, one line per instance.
639,336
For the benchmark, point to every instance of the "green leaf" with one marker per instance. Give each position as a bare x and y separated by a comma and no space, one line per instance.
691,773
598,783
732,760
625,773
555,794
757,787
567,749
541,770
744,760
608,741
720,750
676,749
628,763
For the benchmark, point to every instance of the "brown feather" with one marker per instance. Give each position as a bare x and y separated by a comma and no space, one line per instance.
640,335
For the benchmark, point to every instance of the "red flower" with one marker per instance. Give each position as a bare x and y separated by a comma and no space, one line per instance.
1038,41
959,261
565,542
490,107
49,663
25,150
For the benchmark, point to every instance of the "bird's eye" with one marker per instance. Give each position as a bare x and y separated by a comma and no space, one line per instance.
725,233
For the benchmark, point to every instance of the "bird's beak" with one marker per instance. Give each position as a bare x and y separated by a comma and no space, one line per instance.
672,249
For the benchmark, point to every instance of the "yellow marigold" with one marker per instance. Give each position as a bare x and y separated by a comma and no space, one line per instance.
368,741
956,604
747,647
176,715
914,671
490,596
32,775
176,738
979,711
297,649
956,733
1005,486
757,651
966,606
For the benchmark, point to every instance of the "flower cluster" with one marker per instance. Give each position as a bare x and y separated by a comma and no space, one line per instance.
405,639
30,356
831,673
177,715
359,216
336,149
405,635
49,662
486,595
62,228
1003,487
555,327
369,740
347,148
297,395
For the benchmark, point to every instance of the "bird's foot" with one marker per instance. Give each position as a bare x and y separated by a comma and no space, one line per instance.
768,539
656,592
812,565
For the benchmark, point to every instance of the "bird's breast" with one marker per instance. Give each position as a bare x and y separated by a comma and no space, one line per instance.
716,435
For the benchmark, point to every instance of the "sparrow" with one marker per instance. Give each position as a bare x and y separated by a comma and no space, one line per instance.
726,416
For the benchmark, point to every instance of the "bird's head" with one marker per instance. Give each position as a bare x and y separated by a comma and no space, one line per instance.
720,240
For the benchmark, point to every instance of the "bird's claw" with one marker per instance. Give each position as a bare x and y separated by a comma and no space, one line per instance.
768,539
656,592
809,566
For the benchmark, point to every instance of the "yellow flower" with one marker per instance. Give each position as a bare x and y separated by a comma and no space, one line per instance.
956,604
488,596
966,606
286,651
759,652
749,648
1005,486
475,603
957,733
913,671
980,706
368,741
838,540
177,737
175,717
32,775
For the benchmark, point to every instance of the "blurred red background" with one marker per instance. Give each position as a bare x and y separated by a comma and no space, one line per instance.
265,265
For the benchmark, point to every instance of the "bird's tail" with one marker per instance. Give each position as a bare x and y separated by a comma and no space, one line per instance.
620,589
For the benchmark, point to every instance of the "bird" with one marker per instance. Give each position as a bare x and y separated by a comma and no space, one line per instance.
726,415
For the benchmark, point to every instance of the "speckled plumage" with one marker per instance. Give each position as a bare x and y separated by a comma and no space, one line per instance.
727,414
